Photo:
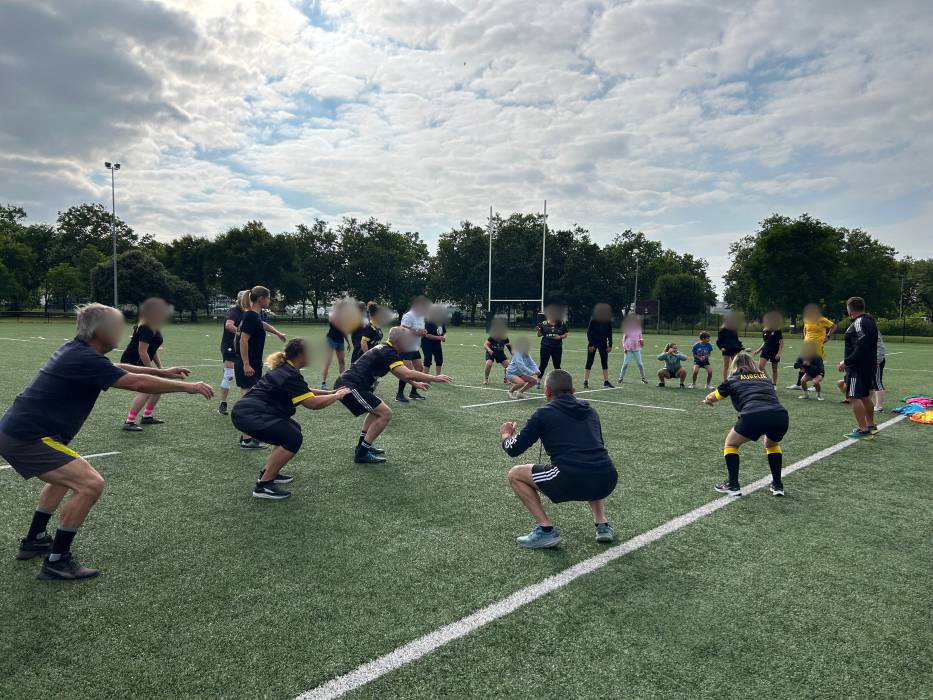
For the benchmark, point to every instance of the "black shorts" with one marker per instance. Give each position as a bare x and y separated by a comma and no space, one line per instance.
242,380
31,458
769,354
413,355
701,363
561,484
359,401
772,424
433,355
810,377
282,432
859,382
731,352
497,356
878,383
229,354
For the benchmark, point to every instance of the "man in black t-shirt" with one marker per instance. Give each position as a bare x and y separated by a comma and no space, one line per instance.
860,364
44,418
361,378
552,331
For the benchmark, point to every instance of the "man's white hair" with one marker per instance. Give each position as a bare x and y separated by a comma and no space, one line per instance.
90,317
396,333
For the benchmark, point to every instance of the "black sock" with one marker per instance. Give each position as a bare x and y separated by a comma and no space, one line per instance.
39,522
62,543
401,387
546,528
799,377
775,460
365,445
732,464
601,524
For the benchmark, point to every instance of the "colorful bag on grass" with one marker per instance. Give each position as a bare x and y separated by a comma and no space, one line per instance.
926,417
910,409
920,401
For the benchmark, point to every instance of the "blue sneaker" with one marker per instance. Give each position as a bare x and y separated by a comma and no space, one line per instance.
364,456
605,533
857,434
539,539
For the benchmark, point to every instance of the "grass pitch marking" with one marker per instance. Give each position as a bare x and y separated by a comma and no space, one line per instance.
537,397
99,454
418,648
639,405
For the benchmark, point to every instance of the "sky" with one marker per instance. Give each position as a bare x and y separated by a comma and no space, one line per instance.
691,121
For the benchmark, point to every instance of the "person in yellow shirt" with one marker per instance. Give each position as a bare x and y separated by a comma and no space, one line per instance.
817,329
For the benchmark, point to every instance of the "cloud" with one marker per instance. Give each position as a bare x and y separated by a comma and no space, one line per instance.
693,120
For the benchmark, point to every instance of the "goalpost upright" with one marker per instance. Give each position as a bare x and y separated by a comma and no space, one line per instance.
489,298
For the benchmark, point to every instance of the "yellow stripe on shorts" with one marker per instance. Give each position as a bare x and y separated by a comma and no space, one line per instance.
56,445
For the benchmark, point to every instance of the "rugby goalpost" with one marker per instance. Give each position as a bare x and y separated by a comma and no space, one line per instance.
489,299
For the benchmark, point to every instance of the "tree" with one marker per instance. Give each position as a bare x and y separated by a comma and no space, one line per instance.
19,261
680,295
192,258
869,270
458,272
245,257
139,276
741,290
184,295
63,281
920,275
319,264
89,224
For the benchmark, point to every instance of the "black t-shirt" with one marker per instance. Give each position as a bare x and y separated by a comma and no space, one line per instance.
275,396
551,332
771,339
499,344
599,333
142,334
61,397
861,344
252,326
432,329
728,340
334,333
228,339
375,363
750,393
369,333
813,366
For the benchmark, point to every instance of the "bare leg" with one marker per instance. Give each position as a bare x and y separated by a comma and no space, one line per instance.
278,458
86,485
599,511
325,368
376,422
341,361
774,372
524,487
486,371
864,411
50,497
225,391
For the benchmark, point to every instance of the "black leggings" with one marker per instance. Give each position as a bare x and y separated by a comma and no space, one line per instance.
603,356
549,354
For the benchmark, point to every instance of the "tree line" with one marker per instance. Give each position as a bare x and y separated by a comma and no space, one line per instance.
783,265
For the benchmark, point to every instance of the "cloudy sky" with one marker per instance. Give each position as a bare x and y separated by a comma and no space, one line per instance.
689,120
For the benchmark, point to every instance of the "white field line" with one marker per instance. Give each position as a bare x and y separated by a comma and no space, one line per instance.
617,403
639,405
99,454
18,340
904,369
536,398
423,646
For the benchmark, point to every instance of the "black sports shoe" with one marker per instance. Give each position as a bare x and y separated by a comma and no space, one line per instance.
222,408
251,444
777,489
150,420
269,491
586,385
280,478
401,398
364,456
131,427
661,384
608,385
415,396
374,450
65,569
728,490
30,547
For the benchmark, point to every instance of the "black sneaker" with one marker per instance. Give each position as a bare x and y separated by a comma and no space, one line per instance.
131,427
374,449
222,408
280,478
30,547
660,384
683,386
65,569
586,385
728,490
644,381
150,420
401,398
269,491
608,385
415,396
777,489
251,444
364,456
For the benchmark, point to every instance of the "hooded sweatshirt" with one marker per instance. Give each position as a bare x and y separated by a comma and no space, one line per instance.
570,431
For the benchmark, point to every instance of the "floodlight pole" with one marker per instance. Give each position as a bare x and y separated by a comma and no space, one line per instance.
635,300
113,167
543,252
489,280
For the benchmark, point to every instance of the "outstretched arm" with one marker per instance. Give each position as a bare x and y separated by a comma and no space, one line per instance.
166,373
274,331
515,445
321,398
151,384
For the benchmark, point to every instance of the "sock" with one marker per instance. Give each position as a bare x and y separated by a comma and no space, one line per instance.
147,411
732,464
131,416
775,460
401,387
362,438
62,542
600,524
546,528
39,521
365,445
799,377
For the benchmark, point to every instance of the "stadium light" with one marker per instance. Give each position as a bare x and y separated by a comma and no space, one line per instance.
113,167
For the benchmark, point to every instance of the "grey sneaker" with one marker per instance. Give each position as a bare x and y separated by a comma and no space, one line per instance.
725,488
605,533
539,539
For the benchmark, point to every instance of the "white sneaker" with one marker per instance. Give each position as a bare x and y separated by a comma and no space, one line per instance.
691,386
804,397
794,387
819,397
811,388
708,386
521,395
511,393
879,409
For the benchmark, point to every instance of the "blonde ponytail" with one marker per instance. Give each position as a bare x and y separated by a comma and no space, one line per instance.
275,360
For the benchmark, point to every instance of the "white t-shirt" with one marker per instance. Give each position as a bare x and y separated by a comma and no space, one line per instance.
413,321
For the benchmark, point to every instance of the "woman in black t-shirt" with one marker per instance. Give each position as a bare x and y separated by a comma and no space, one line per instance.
143,351
266,413
728,342
335,343
228,350
552,331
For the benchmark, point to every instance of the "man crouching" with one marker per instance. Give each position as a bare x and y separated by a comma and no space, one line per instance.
580,469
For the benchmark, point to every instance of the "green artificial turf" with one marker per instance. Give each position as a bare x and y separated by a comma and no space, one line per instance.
208,592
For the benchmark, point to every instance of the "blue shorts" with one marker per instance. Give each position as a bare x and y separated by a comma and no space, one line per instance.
334,344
